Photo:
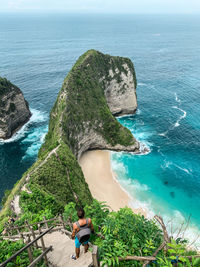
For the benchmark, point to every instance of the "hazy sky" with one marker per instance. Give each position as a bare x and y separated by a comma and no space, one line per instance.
103,6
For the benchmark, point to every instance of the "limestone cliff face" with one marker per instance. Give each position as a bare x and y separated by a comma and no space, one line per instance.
14,109
121,94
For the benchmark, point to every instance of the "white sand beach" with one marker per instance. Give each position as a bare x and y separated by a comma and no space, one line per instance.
103,185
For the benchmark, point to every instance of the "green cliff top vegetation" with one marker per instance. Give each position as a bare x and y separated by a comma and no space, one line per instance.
6,86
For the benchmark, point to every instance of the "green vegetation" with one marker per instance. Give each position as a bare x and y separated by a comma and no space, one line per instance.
6,86
5,197
126,234
8,248
12,107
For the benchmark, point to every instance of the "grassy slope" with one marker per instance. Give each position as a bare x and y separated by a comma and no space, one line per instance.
61,176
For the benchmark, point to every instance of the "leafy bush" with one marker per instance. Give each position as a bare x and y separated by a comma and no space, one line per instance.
8,248
126,233
5,197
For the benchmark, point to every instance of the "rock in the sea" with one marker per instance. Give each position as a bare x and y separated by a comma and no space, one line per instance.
14,109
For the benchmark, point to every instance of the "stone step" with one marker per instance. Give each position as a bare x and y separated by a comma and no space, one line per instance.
63,248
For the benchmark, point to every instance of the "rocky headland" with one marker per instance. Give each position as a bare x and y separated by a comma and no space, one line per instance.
14,109
98,87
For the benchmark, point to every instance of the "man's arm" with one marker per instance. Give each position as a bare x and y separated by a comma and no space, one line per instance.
91,225
74,231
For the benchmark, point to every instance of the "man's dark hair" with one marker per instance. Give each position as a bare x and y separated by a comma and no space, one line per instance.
81,213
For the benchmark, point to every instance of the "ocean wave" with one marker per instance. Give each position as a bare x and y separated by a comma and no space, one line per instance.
163,134
144,149
176,124
37,117
181,117
182,169
166,164
142,84
36,139
176,98
138,111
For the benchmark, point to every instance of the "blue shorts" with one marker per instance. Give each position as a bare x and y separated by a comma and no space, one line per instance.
78,244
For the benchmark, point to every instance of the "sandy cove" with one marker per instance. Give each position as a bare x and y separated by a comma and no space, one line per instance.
102,183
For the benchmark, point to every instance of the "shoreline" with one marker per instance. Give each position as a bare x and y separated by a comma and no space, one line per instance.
103,183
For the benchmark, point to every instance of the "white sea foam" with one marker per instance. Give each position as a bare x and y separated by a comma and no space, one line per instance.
35,139
167,164
142,137
142,84
176,98
138,111
176,124
183,169
181,117
37,116
163,134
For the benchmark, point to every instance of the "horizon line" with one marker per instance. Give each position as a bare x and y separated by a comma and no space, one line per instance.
51,11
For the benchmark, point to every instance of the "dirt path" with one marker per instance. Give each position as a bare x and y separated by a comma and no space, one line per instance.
15,203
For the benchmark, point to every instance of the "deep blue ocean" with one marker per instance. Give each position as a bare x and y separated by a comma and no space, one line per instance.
37,52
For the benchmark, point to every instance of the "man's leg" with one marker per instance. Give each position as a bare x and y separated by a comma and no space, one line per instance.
77,250
86,246
77,247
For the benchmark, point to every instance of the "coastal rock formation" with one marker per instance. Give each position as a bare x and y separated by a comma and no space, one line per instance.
120,90
14,109
97,87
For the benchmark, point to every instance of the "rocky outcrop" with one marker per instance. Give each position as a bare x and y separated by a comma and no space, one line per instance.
98,87
14,109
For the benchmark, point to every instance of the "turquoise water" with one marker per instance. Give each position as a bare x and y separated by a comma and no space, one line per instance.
36,53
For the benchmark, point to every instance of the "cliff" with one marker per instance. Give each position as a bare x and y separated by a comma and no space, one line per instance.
14,109
81,119
97,86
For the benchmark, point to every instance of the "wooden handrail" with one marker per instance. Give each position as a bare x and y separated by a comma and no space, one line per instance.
57,228
24,226
40,257
25,247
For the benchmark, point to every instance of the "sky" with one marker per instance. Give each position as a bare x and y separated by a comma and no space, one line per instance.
103,6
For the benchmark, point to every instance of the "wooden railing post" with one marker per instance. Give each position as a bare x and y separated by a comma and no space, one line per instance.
30,255
45,221
62,221
33,234
43,246
95,256
20,234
